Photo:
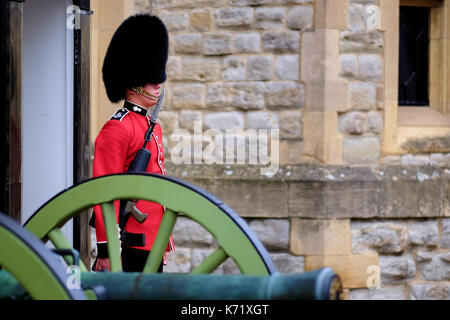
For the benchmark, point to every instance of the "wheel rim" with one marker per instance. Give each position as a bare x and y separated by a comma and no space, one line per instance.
33,265
235,238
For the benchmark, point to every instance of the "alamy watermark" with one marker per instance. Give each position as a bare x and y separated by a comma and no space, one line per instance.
372,17
374,279
74,14
73,282
229,146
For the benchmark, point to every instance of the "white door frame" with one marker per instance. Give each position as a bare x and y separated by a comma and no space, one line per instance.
47,109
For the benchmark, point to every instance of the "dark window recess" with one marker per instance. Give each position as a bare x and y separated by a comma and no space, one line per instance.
414,51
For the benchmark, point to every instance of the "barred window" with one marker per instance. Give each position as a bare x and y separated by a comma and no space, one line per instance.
413,81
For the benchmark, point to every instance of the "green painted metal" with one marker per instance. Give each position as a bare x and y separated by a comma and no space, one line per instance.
173,196
161,241
60,241
90,294
321,284
112,234
212,262
30,270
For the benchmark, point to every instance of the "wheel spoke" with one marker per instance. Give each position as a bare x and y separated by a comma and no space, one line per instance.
109,218
161,241
212,262
59,240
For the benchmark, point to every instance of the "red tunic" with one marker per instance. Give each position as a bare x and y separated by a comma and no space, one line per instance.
115,147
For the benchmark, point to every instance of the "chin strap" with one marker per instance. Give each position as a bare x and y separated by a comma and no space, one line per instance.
145,93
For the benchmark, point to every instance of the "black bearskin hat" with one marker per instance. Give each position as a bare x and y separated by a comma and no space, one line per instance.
137,55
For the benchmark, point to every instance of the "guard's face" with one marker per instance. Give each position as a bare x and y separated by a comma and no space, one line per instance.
153,89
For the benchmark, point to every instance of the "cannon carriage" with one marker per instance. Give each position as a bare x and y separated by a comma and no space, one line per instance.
32,270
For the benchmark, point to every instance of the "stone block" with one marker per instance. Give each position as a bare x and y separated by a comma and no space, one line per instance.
436,159
200,69
291,152
288,264
234,17
168,121
173,68
252,198
361,41
175,20
187,43
445,235
262,120
447,160
320,237
188,117
218,95
352,269
383,293
407,159
395,195
217,43
383,237
287,67
188,4
300,18
189,233
356,17
260,68
201,19
247,43
396,269
423,233
234,68
328,96
370,67
331,14
179,261
290,125
429,291
363,150
281,41
374,123
247,2
352,123
434,266
285,95
273,233
223,120
247,95
421,160
391,160
270,18
348,65
286,2
188,95
363,96
320,56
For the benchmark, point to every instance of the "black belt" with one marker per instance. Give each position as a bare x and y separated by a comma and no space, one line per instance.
132,239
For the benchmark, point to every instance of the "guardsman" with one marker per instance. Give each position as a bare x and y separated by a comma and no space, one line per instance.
133,71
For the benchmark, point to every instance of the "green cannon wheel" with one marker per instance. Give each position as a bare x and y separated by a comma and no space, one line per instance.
33,265
235,238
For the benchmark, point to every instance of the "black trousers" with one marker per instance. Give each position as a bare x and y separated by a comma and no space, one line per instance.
133,260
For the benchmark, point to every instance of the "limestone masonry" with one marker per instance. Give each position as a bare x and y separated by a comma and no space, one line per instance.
356,188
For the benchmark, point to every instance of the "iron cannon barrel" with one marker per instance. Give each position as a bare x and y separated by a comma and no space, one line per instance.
321,284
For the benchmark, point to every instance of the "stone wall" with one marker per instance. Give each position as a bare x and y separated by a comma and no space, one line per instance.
383,229
236,65
316,71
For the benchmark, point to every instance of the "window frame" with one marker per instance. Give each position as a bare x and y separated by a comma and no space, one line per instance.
404,123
